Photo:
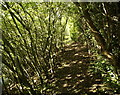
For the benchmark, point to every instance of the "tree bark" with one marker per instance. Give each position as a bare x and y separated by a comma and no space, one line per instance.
96,34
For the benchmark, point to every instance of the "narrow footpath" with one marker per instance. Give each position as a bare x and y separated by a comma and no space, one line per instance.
73,75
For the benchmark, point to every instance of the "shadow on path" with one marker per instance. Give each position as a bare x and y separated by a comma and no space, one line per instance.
72,74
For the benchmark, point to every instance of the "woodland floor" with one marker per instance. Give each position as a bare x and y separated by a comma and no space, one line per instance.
73,76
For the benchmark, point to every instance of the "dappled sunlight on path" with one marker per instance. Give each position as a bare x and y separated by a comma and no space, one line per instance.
72,74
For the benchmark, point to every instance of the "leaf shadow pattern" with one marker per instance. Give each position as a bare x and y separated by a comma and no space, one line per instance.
72,74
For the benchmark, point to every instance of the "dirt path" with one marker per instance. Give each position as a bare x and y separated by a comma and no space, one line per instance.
73,74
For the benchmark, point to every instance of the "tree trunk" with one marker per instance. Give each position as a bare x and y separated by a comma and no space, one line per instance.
98,37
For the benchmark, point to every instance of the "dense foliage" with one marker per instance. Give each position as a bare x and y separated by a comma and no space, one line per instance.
34,35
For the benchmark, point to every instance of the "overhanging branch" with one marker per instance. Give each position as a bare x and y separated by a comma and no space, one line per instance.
98,37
